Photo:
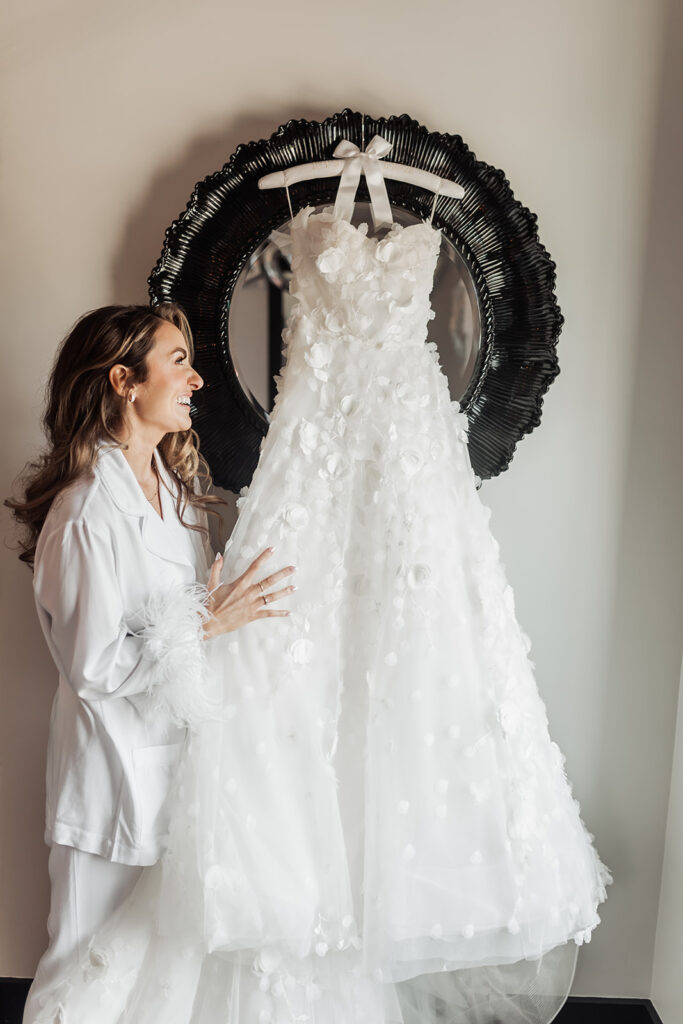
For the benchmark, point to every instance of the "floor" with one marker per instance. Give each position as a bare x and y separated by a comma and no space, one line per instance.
577,1009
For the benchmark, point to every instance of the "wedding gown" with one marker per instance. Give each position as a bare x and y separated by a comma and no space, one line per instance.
377,827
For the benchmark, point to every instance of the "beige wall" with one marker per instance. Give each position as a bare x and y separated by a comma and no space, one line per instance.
112,112
652,539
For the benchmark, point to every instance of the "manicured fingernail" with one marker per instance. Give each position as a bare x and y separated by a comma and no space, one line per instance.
218,555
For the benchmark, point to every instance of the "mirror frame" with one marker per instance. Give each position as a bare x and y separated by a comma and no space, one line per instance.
227,217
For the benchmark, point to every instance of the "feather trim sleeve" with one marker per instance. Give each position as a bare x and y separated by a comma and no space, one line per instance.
174,654
105,651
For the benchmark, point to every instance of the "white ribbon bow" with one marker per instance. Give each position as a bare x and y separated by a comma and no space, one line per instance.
356,163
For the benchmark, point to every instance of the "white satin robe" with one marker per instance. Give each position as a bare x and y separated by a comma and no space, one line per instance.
117,597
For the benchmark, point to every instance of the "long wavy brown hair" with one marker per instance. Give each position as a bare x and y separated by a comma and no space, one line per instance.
83,409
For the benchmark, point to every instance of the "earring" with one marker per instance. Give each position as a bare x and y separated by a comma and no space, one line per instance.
131,396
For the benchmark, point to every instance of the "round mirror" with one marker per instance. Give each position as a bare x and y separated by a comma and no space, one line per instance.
261,306
497,319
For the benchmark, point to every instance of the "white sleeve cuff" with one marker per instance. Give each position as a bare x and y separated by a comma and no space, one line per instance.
174,653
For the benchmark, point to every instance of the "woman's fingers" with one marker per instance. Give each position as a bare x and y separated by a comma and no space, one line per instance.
281,574
255,566
275,595
215,573
235,604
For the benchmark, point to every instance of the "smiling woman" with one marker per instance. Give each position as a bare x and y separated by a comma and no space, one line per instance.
159,400
112,359
116,531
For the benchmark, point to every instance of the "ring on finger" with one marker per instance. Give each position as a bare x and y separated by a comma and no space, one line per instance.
265,599
260,585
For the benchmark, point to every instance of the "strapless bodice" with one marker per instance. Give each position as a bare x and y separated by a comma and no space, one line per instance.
348,284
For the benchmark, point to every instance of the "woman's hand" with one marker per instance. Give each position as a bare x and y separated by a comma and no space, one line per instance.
234,604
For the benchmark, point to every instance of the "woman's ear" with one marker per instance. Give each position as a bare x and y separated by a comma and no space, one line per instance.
120,379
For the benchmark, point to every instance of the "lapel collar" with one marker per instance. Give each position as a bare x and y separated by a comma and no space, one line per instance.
119,481
187,541
158,535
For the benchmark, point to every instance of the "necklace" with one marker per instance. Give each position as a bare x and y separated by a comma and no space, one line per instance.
155,493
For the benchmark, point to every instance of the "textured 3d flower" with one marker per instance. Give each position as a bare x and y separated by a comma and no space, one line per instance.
334,322
301,651
295,516
98,958
348,405
411,461
418,575
331,260
318,355
334,465
384,250
407,395
268,959
509,717
308,436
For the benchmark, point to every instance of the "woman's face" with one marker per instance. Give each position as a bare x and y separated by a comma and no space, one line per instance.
162,402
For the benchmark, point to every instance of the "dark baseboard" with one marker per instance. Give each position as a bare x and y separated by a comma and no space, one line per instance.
12,998
577,1009
596,1010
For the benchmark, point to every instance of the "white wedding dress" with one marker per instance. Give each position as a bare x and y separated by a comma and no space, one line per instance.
378,828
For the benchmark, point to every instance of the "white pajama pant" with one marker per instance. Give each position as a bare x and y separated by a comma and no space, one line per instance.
85,890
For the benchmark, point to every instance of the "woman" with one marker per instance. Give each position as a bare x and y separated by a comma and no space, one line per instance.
116,533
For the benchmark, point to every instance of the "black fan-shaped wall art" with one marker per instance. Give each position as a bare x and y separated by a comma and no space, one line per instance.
228,217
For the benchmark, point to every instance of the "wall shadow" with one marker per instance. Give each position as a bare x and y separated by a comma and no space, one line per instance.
648,601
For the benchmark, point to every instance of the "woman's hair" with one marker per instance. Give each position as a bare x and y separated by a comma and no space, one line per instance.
82,409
